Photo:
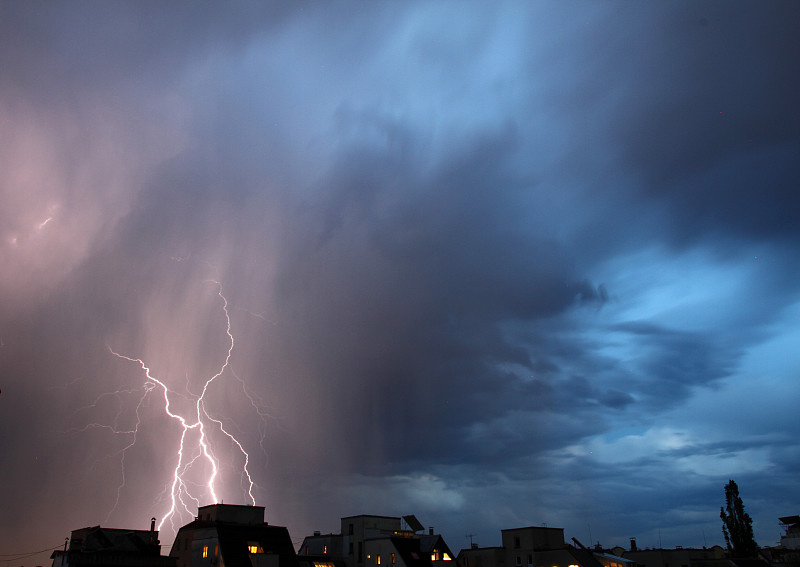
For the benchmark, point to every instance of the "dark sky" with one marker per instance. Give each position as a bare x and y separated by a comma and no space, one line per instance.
495,264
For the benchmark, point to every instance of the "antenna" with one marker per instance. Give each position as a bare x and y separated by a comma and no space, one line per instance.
470,539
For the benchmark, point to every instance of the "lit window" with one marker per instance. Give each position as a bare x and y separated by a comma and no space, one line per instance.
254,547
205,551
324,549
446,556
379,559
216,550
392,558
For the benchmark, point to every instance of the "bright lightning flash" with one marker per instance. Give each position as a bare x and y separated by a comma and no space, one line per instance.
195,446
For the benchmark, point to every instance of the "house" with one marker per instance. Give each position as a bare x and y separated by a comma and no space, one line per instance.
372,541
678,557
791,537
787,552
531,546
536,546
109,547
481,557
229,535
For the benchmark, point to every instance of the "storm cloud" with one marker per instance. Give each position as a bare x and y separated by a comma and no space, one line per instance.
494,265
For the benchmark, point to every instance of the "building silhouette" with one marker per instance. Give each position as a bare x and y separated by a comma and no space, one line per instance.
108,547
228,535
379,541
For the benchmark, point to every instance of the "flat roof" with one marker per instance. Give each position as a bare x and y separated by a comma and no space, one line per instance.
531,528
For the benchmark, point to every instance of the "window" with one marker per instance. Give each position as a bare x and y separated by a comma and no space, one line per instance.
530,559
446,556
324,550
216,550
379,559
350,548
350,529
392,558
516,544
205,551
519,560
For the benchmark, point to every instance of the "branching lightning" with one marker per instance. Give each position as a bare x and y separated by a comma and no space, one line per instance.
195,448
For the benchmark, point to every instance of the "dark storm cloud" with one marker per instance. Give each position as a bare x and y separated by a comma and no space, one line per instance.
447,239
722,150
671,362
440,261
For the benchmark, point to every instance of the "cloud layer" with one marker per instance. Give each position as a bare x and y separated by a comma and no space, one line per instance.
492,265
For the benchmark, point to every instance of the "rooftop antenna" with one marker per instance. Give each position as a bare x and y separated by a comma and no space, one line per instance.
470,539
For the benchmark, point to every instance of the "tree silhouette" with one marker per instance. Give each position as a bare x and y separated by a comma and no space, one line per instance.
737,525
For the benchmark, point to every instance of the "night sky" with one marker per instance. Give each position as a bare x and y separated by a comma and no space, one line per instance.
495,264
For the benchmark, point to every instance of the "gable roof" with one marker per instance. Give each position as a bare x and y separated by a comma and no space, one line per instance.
427,543
410,552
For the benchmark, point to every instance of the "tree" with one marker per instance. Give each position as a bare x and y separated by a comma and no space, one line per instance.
737,525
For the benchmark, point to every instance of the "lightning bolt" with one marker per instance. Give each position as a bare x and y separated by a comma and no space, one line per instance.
200,421
195,448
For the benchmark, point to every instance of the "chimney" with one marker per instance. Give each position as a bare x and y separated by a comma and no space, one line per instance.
474,546
316,533
633,544
430,530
